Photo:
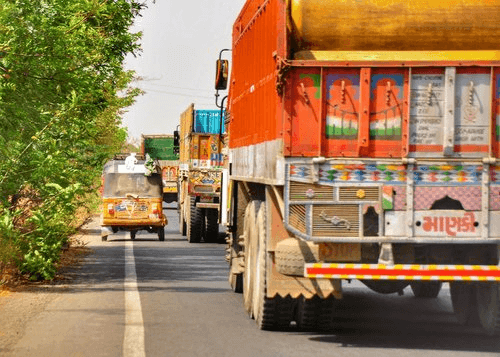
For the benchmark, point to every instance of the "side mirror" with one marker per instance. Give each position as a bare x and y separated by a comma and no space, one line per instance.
222,69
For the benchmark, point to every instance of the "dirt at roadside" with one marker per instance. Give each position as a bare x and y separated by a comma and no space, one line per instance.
22,300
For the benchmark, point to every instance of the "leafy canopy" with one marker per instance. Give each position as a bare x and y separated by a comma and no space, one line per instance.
62,90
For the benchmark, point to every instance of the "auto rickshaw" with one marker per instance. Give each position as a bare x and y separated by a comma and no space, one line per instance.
132,198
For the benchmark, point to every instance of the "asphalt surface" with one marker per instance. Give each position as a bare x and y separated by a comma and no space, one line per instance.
187,309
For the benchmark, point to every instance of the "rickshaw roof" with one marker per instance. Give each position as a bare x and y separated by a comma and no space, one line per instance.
119,166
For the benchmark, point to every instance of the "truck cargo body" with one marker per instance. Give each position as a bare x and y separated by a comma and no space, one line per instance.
200,171
161,148
364,148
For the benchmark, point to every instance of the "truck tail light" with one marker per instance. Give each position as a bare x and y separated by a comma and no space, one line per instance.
156,208
111,209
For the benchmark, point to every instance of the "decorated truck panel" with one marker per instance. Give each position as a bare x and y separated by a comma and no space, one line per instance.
161,149
364,152
201,141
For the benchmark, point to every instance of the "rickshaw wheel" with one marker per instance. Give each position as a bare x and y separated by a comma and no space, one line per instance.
161,234
132,234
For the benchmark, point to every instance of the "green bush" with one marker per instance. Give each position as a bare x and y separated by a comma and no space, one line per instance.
62,89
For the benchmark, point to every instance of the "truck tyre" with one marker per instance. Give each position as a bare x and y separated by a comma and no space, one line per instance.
291,254
235,279
426,289
212,225
237,283
464,303
270,313
386,286
234,248
195,222
161,234
315,314
488,303
182,222
184,228
250,248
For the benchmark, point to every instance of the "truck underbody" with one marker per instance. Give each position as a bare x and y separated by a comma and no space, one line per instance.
285,278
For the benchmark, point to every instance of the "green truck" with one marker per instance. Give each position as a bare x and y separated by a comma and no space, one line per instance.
160,147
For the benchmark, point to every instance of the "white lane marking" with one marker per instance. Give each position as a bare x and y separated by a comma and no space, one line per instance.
133,341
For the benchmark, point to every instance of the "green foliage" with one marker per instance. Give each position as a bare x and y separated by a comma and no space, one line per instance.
62,89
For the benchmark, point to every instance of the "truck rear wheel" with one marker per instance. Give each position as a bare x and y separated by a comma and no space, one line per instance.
426,289
161,233
236,282
182,222
250,248
488,303
235,278
234,248
477,305
315,314
464,303
212,225
195,222
270,313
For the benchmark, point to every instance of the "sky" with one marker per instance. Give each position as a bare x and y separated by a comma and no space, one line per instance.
180,44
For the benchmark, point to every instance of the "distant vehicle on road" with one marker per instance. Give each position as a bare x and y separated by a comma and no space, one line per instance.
160,147
132,198
201,166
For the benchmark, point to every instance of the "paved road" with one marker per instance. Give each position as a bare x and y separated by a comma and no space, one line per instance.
180,305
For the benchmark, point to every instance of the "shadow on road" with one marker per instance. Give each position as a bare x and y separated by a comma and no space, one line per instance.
442,337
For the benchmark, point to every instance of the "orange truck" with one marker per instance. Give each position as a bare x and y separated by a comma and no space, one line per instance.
201,163
363,144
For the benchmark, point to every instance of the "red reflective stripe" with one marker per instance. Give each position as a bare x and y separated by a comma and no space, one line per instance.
403,272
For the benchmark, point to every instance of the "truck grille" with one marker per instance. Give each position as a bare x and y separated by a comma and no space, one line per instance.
297,217
310,192
335,221
359,193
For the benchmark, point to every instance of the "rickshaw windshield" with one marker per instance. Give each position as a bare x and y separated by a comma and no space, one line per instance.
121,184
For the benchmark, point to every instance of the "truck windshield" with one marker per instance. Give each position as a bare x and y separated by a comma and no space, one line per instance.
121,184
